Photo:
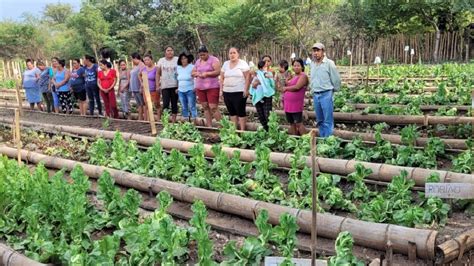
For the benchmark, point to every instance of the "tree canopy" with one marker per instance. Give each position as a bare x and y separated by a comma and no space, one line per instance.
149,25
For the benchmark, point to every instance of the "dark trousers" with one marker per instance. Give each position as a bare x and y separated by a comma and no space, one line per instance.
48,99
94,96
170,96
264,107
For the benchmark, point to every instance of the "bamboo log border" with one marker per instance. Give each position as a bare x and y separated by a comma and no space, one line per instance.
455,248
389,119
10,257
380,172
309,101
367,234
453,144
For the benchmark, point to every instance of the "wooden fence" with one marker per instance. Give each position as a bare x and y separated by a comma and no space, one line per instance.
452,47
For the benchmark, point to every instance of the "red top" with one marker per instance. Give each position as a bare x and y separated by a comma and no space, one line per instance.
107,81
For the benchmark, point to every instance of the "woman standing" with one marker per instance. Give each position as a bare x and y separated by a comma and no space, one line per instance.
124,91
235,81
186,91
60,82
52,72
78,85
92,89
106,80
138,66
294,94
152,73
30,85
207,71
168,82
43,83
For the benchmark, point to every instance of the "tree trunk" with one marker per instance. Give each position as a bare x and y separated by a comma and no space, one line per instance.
94,48
436,48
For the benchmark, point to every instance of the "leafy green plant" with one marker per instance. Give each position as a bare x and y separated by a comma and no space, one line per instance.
464,163
360,190
200,233
200,167
254,249
284,235
98,153
182,131
344,255
117,208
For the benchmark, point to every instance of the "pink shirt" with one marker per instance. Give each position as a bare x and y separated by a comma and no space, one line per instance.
208,82
294,100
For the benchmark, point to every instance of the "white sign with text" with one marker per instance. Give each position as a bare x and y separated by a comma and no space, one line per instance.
450,190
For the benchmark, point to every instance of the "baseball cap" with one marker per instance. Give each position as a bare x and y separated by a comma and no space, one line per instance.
319,46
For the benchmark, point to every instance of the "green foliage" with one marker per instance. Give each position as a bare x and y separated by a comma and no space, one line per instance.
200,233
284,235
464,163
258,180
57,13
254,249
344,256
15,37
181,131
91,26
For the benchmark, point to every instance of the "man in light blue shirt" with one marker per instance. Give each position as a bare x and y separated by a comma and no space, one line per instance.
324,81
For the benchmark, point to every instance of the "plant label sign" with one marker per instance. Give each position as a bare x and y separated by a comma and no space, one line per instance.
450,190
275,261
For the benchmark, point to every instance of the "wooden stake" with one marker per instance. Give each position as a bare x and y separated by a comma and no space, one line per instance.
315,171
8,70
19,70
18,95
350,67
46,62
146,94
70,64
367,80
4,70
17,133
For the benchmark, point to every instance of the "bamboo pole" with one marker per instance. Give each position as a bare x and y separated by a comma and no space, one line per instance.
18,96
315,170
4,70
10,257
350,66
367,234
454,144
18,134
454,248
146,94
8,68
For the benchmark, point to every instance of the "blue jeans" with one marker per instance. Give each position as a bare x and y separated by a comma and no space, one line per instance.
188,103
56,103
323,106
94,97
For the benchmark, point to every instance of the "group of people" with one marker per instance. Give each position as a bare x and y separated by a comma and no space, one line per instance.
181,78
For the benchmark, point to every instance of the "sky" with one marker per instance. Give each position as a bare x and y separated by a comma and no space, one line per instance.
13,9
